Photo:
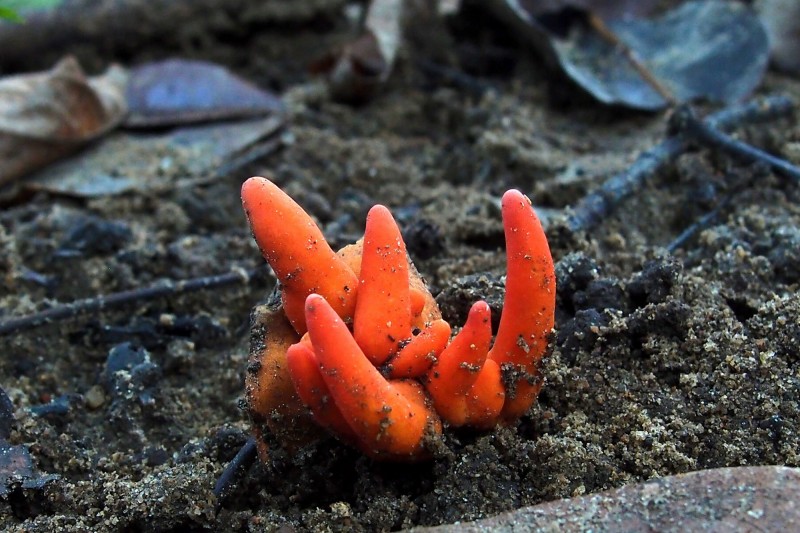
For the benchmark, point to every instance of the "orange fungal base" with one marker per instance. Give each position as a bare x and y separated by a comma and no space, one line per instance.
367,352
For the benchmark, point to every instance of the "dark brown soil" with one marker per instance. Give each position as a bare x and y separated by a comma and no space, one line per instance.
663,363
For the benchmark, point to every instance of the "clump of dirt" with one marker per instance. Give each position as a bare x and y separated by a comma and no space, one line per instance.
663,363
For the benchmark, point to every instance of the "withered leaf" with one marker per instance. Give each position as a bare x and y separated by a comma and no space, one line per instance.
709,49
46,115
141,161
178,92
360,67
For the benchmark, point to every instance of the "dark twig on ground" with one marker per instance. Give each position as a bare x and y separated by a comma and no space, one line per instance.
600,203
706,220
118,299
698,226
686,122
235,470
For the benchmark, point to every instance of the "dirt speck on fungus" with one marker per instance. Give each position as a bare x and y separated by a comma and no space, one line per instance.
662,363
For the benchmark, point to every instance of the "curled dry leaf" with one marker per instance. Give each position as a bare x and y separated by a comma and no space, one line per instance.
360,67
47,115
143,162
709,49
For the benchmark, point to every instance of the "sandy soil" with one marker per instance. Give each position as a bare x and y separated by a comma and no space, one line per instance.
663,363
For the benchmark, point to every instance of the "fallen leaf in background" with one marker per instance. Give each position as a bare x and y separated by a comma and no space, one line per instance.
127,161
360,67
178,92
712,49
47,115
782,21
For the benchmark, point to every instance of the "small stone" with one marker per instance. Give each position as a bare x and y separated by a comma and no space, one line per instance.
180,355
95,397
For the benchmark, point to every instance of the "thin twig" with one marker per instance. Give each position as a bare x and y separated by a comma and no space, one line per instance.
604,200
706,220
703,133
601,202
238,466
698,226
117,299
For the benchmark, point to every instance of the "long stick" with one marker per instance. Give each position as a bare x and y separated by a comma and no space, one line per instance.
118,299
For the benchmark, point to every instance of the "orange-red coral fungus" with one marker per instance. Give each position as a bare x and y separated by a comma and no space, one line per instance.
359,343
294,247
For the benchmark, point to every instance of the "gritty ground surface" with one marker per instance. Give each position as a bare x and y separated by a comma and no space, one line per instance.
662,364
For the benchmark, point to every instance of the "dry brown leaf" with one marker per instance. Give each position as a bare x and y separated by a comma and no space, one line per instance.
176,92
125,162
47,115
646,62
359,68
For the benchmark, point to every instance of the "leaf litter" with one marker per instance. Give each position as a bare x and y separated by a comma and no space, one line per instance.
664,364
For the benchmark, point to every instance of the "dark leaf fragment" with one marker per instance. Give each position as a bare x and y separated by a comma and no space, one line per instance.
178,91
710,49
